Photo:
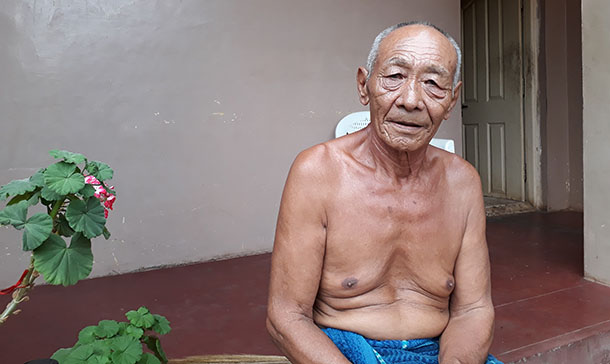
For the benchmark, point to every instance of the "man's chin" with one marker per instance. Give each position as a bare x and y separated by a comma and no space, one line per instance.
405,144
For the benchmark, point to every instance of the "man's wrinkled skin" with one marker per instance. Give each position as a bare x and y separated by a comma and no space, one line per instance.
380,233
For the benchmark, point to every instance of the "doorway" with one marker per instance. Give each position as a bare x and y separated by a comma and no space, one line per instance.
493,95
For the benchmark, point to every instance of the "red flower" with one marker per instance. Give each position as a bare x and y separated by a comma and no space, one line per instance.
101,194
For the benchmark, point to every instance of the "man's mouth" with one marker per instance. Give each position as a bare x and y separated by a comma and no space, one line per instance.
406,124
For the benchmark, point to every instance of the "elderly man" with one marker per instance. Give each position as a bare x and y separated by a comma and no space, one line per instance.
380,240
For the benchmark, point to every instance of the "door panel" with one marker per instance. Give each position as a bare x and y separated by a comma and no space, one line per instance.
492,112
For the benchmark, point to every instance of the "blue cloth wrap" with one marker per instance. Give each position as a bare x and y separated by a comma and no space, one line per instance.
360,350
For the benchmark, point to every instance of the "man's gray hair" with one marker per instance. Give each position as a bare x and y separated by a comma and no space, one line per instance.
370,62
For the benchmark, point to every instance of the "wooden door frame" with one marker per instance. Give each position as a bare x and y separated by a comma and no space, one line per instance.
532,103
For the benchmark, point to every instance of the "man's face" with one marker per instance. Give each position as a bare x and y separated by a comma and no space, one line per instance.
410,88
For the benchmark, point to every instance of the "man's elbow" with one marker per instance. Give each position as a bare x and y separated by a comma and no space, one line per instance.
277,322
281,321
275,334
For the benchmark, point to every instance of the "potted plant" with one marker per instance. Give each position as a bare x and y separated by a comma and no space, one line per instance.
76,198
119,342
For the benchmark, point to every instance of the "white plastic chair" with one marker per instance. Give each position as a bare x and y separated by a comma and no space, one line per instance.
358,120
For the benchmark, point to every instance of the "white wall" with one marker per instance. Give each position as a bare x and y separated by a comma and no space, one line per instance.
596,130
199,106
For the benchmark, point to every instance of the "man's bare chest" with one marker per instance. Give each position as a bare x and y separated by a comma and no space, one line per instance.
393,239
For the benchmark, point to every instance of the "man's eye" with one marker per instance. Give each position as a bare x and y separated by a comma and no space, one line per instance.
431,83
396,76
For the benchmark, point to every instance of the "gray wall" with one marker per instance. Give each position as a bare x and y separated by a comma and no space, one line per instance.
199,106
562,127
596,130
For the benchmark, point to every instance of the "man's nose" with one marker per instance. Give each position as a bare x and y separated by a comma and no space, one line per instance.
410,96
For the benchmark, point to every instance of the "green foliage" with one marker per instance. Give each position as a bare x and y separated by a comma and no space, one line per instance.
72,210
100,170
50,195
60,264
69,157
141,318
37,230
61,226
154,344
117,343
16,187
64,178
31,197
161,325
14,215
86,217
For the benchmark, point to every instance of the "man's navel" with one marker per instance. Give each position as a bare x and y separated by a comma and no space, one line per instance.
349,283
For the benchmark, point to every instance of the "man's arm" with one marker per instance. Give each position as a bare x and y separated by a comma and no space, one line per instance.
296,267
468,335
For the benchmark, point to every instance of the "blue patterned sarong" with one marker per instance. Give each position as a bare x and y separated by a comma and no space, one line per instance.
360,350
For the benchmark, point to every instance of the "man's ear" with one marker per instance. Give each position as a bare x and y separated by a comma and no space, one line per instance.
455,98
363,92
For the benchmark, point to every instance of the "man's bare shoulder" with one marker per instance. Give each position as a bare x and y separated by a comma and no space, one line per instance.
321,160
460,173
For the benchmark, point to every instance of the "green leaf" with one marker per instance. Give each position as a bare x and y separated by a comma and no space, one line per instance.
127,350
148,358
107,328
69,157
87,191
86,217
38,178
87,335
133,331
50,195
99,170
154,344
15,215
61,355
31,197
98,359
123,327
34,199
64,265
62,227
37,230
16,187
106,233
161,325
79,355
102,347
141,318
63,178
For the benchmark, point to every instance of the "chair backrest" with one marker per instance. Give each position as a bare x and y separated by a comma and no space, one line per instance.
358,120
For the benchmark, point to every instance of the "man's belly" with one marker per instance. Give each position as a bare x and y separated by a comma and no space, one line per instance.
412,316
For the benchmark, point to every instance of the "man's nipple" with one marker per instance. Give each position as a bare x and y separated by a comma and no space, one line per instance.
349,283
450,284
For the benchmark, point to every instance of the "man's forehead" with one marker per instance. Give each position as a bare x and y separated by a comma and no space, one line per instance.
418,41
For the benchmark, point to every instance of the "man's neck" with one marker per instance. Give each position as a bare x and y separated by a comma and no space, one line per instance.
399,166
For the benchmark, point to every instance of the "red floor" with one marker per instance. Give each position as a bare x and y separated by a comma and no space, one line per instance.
542,301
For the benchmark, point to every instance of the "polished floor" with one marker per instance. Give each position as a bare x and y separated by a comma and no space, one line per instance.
542,301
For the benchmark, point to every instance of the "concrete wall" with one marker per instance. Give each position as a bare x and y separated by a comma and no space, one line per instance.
562,126
596,130
199,106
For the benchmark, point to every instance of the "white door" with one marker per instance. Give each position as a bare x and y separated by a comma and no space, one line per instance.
492,109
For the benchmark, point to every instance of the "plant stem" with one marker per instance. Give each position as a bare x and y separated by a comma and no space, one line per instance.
56,207
20,294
